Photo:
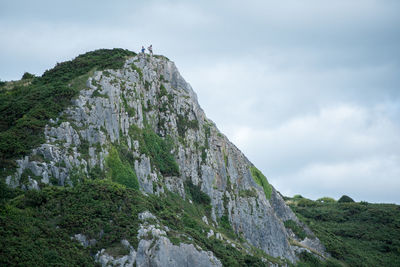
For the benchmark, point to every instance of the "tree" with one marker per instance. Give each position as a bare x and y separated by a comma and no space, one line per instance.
27,75
345,199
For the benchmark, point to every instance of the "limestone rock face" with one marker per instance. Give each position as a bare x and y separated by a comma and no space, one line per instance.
157,250
150,92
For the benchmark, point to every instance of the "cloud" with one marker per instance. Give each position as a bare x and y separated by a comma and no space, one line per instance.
260,93
369,179
341,150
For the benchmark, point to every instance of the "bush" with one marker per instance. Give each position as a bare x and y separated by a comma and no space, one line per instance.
121,172
27,75
261,180
196,194
297,230
158,149
326,200
345,199
7,192
27,239
183,124
305,202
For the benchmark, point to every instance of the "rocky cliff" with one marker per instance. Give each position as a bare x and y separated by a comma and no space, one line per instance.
146,112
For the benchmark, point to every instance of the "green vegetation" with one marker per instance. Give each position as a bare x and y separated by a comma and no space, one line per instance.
207,132
248,193
121,172
345,199
27,76
36,226
157,148
198,196
359,234
309,260
138,70
183,124
30,241
96,93
261,180
163,91
25,108
326,200
131,110
297,230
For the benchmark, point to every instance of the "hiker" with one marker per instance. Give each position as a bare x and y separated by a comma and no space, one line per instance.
143,50
150,48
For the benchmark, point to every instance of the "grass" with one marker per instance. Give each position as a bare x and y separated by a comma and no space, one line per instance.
138,70
261,180
121,172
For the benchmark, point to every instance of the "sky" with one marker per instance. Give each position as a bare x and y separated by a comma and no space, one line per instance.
309,90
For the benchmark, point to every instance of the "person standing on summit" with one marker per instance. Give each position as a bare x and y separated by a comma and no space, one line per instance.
143,50
150,48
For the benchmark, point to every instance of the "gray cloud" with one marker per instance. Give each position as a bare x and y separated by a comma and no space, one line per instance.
310,89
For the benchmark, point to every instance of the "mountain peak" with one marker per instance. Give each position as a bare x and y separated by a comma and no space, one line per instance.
133,120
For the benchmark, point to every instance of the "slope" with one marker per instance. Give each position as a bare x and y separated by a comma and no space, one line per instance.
359,234
140,125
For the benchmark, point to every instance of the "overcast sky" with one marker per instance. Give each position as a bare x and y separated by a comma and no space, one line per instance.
309,90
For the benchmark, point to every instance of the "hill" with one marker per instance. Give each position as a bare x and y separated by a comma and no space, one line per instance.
108,159
359,234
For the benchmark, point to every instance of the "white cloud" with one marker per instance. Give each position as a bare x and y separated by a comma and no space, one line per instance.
342,149
373,179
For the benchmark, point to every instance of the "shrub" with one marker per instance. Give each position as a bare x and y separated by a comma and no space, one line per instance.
183,124
6,192
326,200
261,180
196,194
27,75
158,149
248,193
345,199
297,230
120,172
29,240
305,202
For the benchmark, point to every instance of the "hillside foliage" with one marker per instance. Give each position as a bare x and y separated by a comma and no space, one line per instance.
359,234
37,226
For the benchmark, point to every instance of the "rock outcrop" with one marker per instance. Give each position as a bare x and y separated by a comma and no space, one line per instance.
157,250
150,92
